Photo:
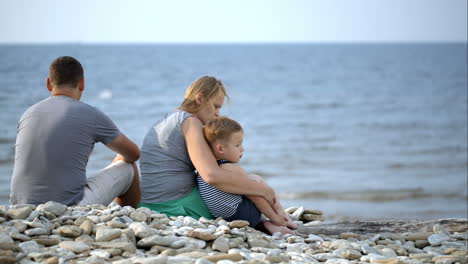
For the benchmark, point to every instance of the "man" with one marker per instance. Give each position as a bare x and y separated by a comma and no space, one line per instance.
54,140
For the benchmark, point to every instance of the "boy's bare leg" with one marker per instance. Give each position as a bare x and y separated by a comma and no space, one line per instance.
133,195
264,207
280,211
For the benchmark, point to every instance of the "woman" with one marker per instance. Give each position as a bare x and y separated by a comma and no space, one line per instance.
175,147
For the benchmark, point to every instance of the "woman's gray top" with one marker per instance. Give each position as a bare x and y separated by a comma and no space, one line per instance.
167,173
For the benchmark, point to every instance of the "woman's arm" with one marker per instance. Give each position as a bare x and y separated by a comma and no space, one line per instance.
205,163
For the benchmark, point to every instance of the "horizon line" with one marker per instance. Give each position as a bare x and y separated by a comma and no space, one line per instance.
239,42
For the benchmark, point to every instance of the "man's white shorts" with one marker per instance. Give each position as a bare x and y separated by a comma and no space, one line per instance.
112,181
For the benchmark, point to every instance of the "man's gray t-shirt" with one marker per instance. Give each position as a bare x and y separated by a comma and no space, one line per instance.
54,140
167,173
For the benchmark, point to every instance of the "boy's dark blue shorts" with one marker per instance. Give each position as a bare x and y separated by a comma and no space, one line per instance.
246,210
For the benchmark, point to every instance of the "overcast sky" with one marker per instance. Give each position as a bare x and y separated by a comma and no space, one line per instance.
207,21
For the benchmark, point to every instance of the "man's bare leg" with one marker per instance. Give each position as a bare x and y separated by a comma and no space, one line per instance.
133,195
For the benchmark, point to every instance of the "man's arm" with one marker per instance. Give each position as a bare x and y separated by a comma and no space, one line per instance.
126,148
204,161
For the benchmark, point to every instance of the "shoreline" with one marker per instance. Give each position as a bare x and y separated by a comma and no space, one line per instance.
54,233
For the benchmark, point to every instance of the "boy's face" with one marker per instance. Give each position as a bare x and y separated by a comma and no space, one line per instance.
232,148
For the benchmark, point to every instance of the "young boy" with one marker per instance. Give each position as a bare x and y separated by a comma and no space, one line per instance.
225,138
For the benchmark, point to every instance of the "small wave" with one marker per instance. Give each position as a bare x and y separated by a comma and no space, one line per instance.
372,195
313,106
7,140
105,94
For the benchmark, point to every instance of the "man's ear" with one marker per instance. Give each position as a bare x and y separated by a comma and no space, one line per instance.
49,84
81,85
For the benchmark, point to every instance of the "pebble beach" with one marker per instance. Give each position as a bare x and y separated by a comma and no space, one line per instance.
54,233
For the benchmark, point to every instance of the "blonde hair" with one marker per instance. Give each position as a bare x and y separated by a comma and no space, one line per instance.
208,86
220,129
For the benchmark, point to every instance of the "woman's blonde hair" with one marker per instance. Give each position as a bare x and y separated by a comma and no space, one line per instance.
208,86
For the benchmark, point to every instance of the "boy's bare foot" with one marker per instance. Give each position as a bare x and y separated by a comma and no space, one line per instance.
272,228
288,222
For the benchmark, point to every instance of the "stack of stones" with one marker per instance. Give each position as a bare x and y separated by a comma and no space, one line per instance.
54,233
305,215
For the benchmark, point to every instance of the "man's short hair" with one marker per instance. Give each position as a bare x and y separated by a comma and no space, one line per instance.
65,71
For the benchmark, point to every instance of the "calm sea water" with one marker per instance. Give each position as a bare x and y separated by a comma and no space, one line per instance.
357,130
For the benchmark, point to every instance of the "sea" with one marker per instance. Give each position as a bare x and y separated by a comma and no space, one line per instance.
358,130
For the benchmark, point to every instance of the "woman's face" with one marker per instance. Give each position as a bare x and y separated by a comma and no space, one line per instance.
210,108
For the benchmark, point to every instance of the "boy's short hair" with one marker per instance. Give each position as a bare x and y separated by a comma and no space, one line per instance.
220,128
65,70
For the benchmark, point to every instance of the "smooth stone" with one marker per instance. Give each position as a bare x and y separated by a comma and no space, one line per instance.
238,224
100,253
372,257
8,259
168,252
124,246
418,236
446,259
421,243
47,242
116,224
179,260
69,231
438,229
153,260
202,235
437,239
295,248
12,247
53,207
351,254
6,239
260,241
20,226
389,253
20,212
193,254
75,247
85,239
203,261
138,216
291,210
277,259
421,256
366,249
322,257
313,238
231,257
349,235
29,246
16,236
313,211
157,240
337,261
178,244
221,244
297,214
388,261
87,226
103,235
194,243
312,217
142,230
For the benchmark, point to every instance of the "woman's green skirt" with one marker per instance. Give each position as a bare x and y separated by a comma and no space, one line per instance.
190,205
